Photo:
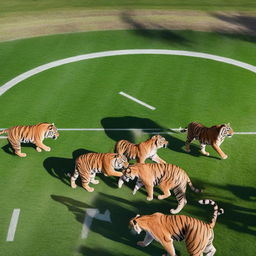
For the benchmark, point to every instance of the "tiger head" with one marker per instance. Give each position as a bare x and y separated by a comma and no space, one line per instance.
134,226
129,174
51,132
226,130
120,162
160,141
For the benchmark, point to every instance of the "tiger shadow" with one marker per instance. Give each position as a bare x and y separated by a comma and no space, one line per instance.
61,168
9,150
117,230
143,126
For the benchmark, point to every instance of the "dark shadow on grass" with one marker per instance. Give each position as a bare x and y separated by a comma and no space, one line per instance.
145,124
9,150
152,30
117,230
61,168
243,192
244,26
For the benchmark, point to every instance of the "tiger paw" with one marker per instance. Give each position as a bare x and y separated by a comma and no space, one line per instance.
47,149
160,197
95,181
89,189
224,157
149,198
73,184
38,149
21,154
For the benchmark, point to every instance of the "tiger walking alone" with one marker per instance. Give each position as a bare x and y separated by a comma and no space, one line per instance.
30,134
198,235
88,165
167,176
143,150
214,136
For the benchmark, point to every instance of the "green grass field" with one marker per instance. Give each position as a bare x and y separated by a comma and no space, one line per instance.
85,95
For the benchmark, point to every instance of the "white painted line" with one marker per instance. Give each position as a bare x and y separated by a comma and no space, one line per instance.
150,130
5,87
13,225
90,214
136,100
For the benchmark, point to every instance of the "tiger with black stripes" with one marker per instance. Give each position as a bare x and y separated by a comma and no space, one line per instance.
167,176
214,136
198,235
88,165
143,150
30,134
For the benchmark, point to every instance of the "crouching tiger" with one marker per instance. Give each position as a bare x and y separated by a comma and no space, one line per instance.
30,134
198,235
87,165
214,136
167,176
143,150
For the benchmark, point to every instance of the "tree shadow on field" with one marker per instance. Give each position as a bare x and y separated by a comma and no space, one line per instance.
143,126
61,168
152,30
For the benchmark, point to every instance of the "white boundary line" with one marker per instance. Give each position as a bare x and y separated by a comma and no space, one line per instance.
8,85
145,130
136,100
13,225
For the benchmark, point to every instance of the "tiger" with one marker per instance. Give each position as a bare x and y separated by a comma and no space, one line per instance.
88,165
198,235
30,134
167,176
214,136
143,150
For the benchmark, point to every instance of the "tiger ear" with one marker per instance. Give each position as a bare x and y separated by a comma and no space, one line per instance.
138,215
134,222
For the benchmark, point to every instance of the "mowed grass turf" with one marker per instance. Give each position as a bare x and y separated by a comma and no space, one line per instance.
85,95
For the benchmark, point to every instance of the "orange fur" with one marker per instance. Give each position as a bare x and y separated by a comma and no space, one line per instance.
214,136
167,176
143,150
30,134
198,235
88,165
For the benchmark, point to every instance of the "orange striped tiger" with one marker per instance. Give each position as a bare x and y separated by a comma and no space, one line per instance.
167,176
87,165
143,150
198,235
30,134
214,136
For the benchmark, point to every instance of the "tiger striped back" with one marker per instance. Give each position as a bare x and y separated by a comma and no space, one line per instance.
167,176
198,235
142,151
88,165
214,136
30,134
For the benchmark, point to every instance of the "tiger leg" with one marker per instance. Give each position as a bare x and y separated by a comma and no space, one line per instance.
17,147
166,190
168,246
138,185
187,144
181,198
157,159
202,146
92,179
40,145
86,180
150,190
210,249
73,179
219,151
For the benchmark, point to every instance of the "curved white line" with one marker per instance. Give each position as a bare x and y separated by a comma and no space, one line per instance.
5,87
